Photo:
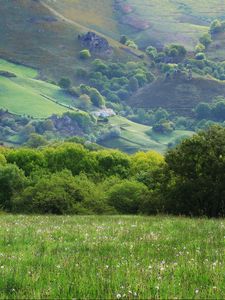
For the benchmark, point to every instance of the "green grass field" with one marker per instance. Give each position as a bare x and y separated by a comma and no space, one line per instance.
134,137
27,95
118,257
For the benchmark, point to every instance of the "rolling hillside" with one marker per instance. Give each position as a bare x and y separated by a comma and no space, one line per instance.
135,137
146,21
178,95
164,22
35,34
23,94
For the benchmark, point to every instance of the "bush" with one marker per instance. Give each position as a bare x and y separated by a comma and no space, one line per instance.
85,54
151,51
127,196
200,56
215,27
131,44
205,40
199,48
55,194
203,111
64,83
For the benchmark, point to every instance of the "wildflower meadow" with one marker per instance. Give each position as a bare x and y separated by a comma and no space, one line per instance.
111,257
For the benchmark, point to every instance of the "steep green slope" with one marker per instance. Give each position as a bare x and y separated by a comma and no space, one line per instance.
24,94
35,34
98,15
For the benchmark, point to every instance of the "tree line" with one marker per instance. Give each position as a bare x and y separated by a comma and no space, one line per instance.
68,178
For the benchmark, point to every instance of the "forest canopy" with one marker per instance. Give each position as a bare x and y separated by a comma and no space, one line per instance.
68,178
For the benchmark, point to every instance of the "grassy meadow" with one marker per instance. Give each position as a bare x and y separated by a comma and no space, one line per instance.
135,137
25,94
123,257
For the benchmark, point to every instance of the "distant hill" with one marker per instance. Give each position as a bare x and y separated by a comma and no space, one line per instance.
165,22
41,41
178,95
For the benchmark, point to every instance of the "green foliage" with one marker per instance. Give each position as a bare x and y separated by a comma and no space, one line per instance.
84,120
12,180
65,83
73,157
36,140
163,127
26,159
131,44
55,194
199,48
85,54
203,111
217,26
68,178
123,39
151,51
197,186
96,98
133,84
2,160
84,102
176,52
205,40
200,56
113,163
218,110
127,196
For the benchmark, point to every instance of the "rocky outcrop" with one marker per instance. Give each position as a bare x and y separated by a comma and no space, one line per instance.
94,43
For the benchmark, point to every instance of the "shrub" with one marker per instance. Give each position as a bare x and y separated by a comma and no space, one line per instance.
84,101
131,44
203,111
199,48
85,54
151,51
200,56
64,83
205,40
56,194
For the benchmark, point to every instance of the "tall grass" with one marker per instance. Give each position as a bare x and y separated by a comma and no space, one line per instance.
111,257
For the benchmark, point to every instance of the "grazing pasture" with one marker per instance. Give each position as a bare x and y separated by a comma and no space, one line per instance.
25,94
111,257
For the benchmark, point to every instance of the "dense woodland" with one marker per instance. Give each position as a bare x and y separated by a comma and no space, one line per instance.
70,178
